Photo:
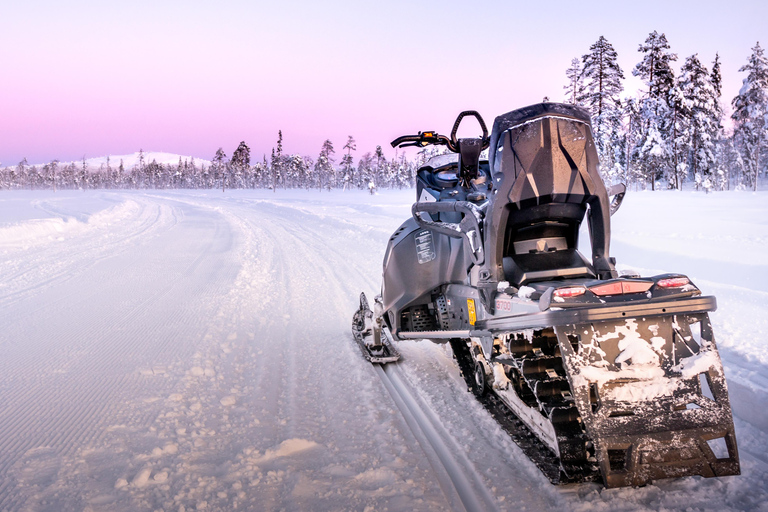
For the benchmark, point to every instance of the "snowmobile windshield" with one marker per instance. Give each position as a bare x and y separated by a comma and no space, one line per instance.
436,162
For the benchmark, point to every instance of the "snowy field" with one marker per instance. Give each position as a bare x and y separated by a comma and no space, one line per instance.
191,350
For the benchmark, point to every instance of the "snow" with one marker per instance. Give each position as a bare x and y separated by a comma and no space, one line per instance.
191,350
525,292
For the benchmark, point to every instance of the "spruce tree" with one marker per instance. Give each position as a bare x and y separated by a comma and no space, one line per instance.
656,152
655,68
602,78
324,166
241,161
347,168
750,109
218,165
575,87
699,109
277,163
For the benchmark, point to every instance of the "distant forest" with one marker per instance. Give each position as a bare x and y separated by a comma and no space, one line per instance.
673,132
371,171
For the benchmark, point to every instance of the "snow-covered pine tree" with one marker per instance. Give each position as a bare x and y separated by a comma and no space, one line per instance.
379,168
602,78
750,113
677,131
721,170
699,109
218,168
575,87
324,166
655,68
276,163
652,153
658,126
631,136
121,174
241,161
347,169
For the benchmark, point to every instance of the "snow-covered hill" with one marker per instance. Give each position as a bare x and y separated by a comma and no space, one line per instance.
192,351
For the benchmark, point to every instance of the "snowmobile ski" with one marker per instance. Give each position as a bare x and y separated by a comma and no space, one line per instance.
367,331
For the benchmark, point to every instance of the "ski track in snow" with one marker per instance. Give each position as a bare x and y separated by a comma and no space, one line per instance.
192,350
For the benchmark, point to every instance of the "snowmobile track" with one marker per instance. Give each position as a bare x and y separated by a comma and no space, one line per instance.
464,481
531,445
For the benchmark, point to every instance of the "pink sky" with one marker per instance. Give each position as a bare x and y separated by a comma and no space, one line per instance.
88,78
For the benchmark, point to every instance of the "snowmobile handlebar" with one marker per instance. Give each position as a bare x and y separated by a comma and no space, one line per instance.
476,115
434,138
423,139
468,228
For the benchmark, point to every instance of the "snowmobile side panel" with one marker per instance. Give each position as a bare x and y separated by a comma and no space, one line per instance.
439,259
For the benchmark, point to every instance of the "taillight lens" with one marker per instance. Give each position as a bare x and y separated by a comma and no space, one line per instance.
674,282
607,289
620,287
636,286
571,291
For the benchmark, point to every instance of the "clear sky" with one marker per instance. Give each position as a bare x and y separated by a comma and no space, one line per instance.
90,78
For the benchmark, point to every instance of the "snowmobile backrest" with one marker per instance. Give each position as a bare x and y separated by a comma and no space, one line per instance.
543,164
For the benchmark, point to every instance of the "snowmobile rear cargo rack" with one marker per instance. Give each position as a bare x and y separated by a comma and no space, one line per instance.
552,318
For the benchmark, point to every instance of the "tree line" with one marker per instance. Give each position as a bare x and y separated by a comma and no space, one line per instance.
674,130
371,171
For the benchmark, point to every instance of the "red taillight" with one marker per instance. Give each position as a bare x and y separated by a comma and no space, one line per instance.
573,291
636,286
674,282
607,289
620,287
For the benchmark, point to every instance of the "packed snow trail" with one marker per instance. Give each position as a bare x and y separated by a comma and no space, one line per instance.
192,350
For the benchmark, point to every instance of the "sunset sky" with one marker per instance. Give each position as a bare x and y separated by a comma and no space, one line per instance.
91,78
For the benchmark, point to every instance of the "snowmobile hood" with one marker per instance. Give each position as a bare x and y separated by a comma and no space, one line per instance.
522,115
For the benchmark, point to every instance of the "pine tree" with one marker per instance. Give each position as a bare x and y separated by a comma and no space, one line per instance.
700,112
656,152
347,168
675,129
721,169
324,166
241,161
750,109
276,162
655,68
218,167
575,87
379,168
602,78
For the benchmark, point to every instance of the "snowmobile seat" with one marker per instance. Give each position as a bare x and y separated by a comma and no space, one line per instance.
540,244
543,163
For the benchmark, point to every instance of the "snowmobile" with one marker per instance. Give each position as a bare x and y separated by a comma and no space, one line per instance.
616,375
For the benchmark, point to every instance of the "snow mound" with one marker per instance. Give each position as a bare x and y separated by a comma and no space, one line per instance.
36,231
288,448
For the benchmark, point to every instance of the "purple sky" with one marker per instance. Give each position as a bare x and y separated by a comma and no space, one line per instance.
90,78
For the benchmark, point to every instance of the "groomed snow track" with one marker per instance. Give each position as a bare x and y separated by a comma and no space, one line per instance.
171,349
456,475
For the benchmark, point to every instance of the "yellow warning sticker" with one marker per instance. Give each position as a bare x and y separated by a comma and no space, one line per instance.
471,311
